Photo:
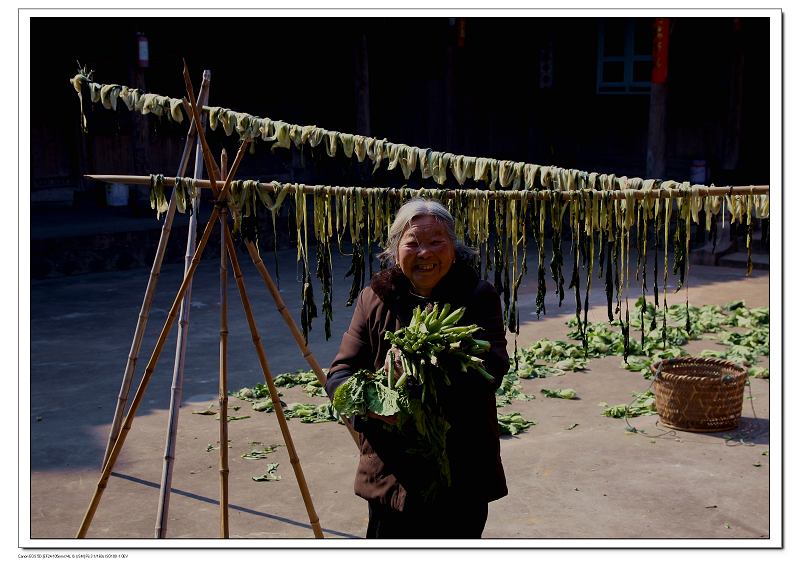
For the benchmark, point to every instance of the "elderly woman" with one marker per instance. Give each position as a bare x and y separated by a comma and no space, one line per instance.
429,267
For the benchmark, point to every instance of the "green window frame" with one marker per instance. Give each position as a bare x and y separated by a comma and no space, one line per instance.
624,55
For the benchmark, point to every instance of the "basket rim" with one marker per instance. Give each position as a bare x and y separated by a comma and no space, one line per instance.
665,364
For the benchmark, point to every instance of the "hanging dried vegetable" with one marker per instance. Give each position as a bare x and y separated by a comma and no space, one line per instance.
557,261
355,220
158,201
576,212
591,219
274,207
541,288
323,230
185,193
667,215
308,310
519,237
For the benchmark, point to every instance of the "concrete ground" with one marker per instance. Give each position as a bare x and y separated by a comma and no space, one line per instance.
593,480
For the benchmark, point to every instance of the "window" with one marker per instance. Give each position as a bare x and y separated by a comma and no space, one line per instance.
624,55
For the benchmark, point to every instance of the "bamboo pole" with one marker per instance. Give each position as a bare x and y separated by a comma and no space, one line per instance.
290,323
223,366
226,237
450,193
273,392
137,400
176,395
152,282
213,170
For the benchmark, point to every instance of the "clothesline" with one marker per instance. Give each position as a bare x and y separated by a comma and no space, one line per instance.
432,164
291,188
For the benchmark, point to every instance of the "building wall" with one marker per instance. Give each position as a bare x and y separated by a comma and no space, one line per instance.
465,86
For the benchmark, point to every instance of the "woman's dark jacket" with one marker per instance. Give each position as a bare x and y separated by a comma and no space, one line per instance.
386,473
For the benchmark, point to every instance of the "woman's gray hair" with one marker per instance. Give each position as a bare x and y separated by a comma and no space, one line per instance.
415,208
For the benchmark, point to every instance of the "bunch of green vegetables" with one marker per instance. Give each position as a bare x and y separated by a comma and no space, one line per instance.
431,336
431,349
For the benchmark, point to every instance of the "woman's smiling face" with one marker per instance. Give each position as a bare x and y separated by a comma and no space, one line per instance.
425,253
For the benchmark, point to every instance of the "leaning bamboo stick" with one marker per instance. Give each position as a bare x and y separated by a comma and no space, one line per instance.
152,282
148,373
176,395
273,392
213,170
290,323
223,366
450,193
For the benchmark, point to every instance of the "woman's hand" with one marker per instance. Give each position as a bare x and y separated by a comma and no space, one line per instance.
393,354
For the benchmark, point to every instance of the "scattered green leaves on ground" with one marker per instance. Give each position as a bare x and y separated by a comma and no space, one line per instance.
307,380
513,423
259,452
745,332
546,357
265,405
644,404
565,393
311,413
234,418
510,390
271,473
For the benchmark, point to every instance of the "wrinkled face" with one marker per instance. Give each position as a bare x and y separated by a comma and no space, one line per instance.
425,253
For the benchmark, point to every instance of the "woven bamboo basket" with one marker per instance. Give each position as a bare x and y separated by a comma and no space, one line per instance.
695,394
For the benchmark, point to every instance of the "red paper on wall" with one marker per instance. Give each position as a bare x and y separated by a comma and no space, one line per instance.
660,50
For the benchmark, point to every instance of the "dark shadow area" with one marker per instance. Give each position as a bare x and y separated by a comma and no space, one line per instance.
234,506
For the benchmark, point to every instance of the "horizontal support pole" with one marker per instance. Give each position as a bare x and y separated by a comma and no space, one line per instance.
662,194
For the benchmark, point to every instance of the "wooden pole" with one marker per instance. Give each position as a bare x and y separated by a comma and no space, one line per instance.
137,400
223,366
492,194
152,282
290,323
176,395
273,392
656,158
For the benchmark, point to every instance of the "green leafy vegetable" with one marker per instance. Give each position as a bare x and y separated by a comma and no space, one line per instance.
513,423
311,413
565,393
271,474
259,452
644,404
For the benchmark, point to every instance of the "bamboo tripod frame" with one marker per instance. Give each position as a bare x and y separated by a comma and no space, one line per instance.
219,213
